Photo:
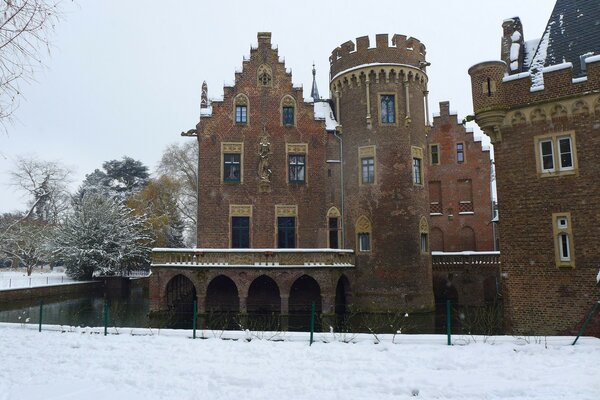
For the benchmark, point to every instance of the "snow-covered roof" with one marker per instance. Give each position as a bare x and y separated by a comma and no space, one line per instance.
323,111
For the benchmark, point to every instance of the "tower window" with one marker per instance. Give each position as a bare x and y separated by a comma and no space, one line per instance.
556,154
434,154
563,240
417,178
241,114
388,109
368,170
288,115
334,233
364,242
460,152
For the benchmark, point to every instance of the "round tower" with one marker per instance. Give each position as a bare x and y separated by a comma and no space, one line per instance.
379,94
488,96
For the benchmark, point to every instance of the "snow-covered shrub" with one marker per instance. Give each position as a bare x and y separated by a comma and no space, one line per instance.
101,236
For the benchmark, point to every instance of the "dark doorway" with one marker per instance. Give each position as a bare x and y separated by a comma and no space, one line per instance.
341,304
304,292
263,304
181,294
222,304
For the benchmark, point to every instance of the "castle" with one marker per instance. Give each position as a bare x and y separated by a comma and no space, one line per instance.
327,201
540,104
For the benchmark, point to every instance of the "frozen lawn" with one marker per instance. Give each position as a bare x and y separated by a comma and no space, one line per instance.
13,279
80,365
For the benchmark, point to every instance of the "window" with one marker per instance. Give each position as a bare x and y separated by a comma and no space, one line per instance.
334,233
240,232
424,243
368,170
288,115
460,152
363,234
364,242
388,109
555,154
296,168
231,167
563,240
417,178
434,154
241,114
424,231
286,232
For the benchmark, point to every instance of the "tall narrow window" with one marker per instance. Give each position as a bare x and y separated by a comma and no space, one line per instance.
241,114
296,168
417,178
563,237
460,152
546,149
368,170
424,231
434,155
334,233
286,232
240,232
566,158
363,234
388,109
231,167
288,115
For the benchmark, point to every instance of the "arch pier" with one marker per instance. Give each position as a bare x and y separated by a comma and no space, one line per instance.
258,289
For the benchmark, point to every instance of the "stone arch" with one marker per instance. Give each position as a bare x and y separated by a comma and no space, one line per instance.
437,239
467,239
264,76
241,100
264,297
342,296
538,115
558,111
304,292
222,295
580,108
364,233
180,294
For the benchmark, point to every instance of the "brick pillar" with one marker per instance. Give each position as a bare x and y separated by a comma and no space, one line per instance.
328,313
243,304
285,311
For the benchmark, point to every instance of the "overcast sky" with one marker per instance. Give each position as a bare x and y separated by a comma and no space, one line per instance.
124,77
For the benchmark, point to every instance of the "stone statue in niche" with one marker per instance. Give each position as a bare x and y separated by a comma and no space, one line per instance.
264,151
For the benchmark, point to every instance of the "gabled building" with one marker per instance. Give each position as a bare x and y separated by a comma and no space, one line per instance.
540,104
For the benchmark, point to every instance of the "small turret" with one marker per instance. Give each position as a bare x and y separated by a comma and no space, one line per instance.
204,96
314,93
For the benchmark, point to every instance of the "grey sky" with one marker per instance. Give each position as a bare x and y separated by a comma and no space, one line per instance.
124,77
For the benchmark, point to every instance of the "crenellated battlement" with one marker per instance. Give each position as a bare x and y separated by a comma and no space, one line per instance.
402,50
496,95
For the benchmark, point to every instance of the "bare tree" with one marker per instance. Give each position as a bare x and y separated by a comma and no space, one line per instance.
25,30
26,242
45,183
180,163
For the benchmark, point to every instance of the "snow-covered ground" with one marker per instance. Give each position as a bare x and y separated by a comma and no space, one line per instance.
17,278
79,364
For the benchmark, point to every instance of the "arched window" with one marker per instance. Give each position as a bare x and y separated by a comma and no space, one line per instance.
563,234
334,230
240,109
288,111
363,234
265,76
424,231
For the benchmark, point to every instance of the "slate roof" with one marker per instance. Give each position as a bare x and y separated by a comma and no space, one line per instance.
572,31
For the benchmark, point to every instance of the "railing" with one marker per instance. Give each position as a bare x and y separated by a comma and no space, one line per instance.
252,258
445,261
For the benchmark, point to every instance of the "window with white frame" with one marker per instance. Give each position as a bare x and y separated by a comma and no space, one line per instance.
563,240
555,154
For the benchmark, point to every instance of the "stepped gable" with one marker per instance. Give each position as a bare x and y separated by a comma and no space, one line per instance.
403,50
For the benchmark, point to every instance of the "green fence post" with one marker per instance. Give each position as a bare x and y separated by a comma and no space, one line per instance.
448,323
195,317
105,317
312,322
587,321
41,314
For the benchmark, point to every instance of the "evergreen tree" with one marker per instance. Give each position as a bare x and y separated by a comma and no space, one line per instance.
101,237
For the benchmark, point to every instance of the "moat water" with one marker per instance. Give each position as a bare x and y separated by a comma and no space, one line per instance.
132,310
